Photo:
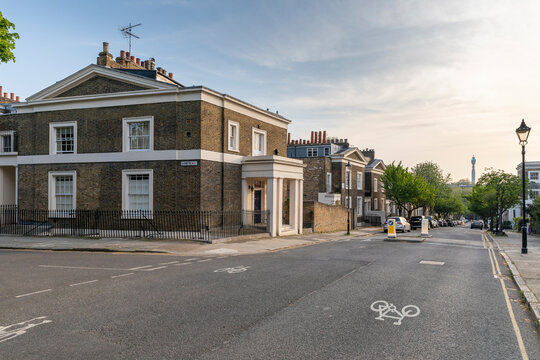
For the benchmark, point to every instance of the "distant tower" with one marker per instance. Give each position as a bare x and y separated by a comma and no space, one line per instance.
473,174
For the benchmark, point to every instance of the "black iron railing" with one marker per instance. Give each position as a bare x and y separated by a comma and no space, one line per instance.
177,224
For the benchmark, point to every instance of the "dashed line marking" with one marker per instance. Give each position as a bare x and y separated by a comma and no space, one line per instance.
156,268
192,259
117,276
141,267
429,262
184,263
33,293
84,282
169,263
204,260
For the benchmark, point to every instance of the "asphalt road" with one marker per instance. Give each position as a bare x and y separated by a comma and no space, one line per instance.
312,302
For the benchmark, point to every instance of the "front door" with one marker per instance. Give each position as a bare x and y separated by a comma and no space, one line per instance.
257,206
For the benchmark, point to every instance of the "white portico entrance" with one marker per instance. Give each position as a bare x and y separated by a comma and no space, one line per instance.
274,185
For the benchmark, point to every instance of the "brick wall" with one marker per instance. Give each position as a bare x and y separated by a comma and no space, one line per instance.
325,218
315,176
100,85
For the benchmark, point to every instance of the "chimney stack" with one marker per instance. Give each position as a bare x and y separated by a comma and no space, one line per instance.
324,137
170,75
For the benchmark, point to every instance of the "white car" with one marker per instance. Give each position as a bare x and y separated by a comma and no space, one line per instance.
401,224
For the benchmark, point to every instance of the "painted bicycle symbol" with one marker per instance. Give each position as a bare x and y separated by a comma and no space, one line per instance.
389,311
233,270
11,331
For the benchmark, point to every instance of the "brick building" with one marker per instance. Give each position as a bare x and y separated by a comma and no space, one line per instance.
123,134
330,181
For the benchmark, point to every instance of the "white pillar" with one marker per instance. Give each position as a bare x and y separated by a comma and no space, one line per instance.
279,205
300,206
245,202
293,204
271,202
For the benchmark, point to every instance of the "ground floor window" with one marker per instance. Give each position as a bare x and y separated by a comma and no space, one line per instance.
62,190
137,190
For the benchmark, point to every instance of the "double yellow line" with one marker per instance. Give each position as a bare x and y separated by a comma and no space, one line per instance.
497,274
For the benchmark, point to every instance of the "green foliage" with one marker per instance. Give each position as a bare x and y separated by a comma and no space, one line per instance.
7,40
408,191
495,192
517,223
447,203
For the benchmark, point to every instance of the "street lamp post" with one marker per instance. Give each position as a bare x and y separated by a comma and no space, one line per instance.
523,133
348,174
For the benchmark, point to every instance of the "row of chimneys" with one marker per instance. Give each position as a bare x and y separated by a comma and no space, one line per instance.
148,64
317,137
11,96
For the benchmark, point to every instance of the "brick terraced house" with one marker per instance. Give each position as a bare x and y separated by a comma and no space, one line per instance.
124,135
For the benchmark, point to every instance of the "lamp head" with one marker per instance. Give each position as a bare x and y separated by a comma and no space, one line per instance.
523,132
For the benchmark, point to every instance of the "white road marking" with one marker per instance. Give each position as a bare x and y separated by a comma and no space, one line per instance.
222,251
429,262
141,267
117,276
389,311
156,268
204,260
33,293
192,259
169,263
81,267
185,263
83,283
12,331
233,270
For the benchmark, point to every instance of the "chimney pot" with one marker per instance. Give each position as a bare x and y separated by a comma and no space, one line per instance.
122,54
319,139
127,54
0,90
138,61
18,99
288,138
324,137
171,75
12,96
105,47
6,95
312,136
132,58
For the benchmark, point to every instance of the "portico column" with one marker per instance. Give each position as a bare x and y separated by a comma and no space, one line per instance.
245,201
271,203
293,204
300,205
279,205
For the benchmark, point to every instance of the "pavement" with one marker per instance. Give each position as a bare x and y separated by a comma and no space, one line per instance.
525,268
235,246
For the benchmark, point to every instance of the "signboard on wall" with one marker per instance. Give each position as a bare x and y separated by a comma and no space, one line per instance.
188,163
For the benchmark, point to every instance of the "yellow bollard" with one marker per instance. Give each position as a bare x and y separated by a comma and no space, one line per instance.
392,233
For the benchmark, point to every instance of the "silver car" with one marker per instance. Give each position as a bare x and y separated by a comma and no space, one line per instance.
401,224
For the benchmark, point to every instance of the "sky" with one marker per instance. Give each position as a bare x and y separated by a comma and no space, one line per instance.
415,80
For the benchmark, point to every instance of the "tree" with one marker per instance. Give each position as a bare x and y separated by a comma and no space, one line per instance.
408,191
433,174
448,204
7,39
495,192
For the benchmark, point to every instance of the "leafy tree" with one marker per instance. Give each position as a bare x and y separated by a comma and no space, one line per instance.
408,191
433,174
448,204
7,40
463,182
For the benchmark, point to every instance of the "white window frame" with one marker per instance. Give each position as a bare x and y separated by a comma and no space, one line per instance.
314,152
258,132
125,188
52,136
236,147
375,184
326,151
328,182
531,175
348,179
7,133
375,205
125,132
52,191
359,206
359,180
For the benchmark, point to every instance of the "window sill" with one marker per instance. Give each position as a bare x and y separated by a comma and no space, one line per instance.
234,150
8,153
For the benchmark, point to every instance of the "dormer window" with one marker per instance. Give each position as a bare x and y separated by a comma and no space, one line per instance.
7,142
312,152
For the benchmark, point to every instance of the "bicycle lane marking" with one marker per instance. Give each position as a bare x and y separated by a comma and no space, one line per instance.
12,331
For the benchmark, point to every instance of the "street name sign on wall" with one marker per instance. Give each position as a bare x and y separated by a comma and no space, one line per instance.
188,163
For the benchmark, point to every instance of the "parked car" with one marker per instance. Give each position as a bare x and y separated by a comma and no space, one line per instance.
416,222
401,224
477,224
440,223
